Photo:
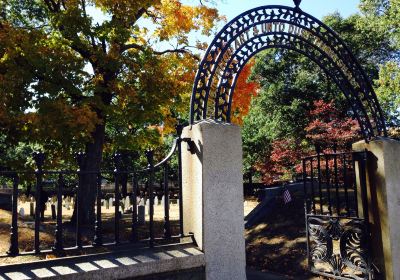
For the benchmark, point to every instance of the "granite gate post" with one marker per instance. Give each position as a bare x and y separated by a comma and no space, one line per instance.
383,191
213,197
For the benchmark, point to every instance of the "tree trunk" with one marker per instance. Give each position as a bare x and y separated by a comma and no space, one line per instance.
92,163
94,152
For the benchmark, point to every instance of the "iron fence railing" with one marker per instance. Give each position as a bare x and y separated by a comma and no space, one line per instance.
337,224
138,185
330,184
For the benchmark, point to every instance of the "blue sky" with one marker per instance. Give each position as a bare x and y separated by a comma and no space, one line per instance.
232,8
317,8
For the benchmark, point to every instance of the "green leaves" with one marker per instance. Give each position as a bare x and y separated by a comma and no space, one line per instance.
383,16
388,91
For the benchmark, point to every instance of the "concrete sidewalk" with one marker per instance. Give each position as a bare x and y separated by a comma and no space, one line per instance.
128,264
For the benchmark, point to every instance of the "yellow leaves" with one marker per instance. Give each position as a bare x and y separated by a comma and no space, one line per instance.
125,94
207,17
121,7
168,122
176,17
177,20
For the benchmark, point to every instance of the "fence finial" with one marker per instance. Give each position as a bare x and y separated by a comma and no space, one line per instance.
150,156
297,3
39,158
118,161
179,129
80,159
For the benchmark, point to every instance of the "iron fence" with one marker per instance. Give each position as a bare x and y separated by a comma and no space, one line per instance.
337,224
330,184
138,185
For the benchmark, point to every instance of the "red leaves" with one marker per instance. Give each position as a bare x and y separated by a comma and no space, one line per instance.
283,161
329,126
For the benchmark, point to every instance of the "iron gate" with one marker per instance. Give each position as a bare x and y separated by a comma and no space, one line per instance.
336,207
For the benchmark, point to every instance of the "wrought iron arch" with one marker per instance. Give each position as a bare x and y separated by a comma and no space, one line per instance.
286,28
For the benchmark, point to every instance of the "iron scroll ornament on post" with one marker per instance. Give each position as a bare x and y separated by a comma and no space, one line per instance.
284,28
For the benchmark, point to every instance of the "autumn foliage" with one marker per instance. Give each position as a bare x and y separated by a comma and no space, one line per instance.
327,127
70,81
245,90
282,162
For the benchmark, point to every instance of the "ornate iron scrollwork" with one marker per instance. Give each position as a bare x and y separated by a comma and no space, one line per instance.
338,247
286,28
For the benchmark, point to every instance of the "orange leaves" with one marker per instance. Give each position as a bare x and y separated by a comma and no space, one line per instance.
207,17
244,92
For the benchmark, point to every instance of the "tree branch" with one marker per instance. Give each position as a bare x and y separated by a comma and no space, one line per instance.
51,5
139,14
93,41
85,53
182,50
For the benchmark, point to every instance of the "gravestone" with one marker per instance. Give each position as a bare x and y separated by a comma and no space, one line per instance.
141,215
53,212
67,203
147,205
127,203
31,209
22,212
121,207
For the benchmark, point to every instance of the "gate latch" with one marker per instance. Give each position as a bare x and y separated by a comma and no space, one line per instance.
191,145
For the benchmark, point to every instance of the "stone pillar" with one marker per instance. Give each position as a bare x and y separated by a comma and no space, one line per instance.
213,197
383,189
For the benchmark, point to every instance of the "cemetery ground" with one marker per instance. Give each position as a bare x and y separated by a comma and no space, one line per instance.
277,244
47,232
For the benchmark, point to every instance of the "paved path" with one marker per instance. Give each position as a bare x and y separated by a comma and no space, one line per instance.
128,264
257,275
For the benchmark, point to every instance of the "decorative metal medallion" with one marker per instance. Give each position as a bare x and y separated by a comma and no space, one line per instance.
338,247
284,28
